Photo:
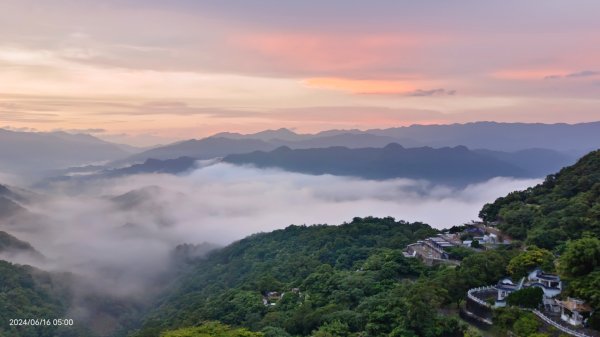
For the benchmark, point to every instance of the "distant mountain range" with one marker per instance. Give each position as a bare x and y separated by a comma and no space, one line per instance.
26,153
581,137
536,162
536,149
572,139
448,165
206,148
170,166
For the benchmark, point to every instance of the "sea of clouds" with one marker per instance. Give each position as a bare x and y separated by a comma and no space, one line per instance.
120,232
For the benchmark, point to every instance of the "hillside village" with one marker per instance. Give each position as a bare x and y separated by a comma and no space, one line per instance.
567,314
563,313
436,249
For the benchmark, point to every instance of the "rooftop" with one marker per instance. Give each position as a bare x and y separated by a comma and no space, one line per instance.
574,304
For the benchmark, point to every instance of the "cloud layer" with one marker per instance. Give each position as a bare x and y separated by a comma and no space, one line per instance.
122,243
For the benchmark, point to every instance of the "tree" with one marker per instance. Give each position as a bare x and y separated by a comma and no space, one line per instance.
546,238
533,257
581,257
332,329
475,244
454,283
563,207
272,331
594,320
587,287
472,332
506,317
459,253
484,268
526,325
211,329
422,301
526,298
517,219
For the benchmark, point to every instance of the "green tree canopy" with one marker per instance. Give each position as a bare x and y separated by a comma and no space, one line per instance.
484,268
211,329
526,298
526,325
581,257
528,260
563,207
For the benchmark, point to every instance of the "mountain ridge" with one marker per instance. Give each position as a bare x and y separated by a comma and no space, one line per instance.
457,165
33,153
574,139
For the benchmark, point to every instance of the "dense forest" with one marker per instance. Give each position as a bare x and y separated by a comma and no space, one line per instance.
347,280
27,293
565,206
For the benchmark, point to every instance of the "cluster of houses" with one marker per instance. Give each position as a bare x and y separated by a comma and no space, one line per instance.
571,310
476,235
433,250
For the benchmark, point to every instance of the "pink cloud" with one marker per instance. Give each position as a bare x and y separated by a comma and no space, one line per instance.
330,54
525,74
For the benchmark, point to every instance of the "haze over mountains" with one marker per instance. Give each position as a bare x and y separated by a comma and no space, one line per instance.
573,138
488,135
26,153
451,166
518,149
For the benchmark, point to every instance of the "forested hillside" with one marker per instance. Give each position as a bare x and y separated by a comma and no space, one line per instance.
351,278
27,293
563,207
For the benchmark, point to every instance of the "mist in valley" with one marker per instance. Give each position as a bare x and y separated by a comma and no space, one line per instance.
120,233
112,242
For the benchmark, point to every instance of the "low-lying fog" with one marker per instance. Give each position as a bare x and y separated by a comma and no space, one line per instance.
122,238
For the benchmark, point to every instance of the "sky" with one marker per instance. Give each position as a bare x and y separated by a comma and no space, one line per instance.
147,72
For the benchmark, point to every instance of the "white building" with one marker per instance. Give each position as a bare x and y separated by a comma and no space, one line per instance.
574,311
550,284
505,287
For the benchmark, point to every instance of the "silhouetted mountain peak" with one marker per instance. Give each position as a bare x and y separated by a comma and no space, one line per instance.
393,147
282,149
281,134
